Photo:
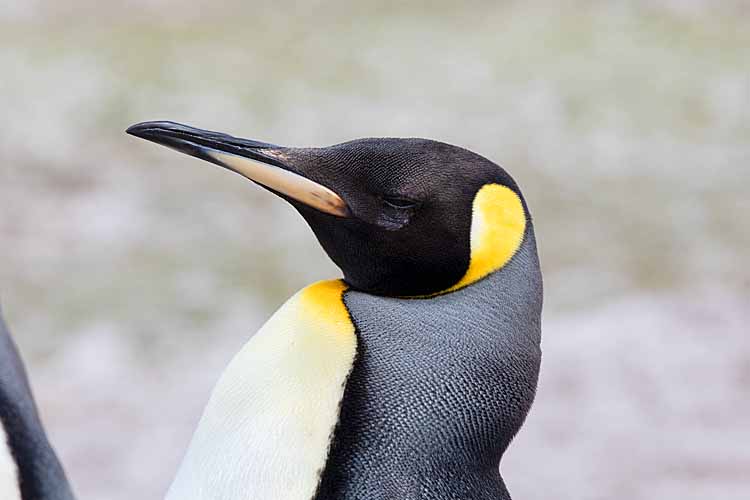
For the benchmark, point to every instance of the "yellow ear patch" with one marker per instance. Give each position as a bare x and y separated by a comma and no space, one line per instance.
497,227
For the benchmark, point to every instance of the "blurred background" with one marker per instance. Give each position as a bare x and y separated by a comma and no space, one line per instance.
131,274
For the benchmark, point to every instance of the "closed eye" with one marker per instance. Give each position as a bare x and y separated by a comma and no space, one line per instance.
399,203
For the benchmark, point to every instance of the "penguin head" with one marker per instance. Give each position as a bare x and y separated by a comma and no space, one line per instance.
400,217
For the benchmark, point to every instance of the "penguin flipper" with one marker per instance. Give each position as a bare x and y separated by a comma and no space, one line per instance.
39,472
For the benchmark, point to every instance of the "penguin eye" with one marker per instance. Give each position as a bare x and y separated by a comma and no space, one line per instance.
399,203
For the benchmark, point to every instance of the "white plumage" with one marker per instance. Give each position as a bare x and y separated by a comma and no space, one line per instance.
266,430
8,471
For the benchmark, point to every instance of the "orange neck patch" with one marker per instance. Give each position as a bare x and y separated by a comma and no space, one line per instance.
323,302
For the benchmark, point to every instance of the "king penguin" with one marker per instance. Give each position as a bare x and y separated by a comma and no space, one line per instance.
409,377
406,379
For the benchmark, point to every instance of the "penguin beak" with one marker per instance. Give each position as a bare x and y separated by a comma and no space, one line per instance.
258,161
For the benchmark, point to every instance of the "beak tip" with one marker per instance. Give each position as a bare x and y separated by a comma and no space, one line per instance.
132,129
139,129
144,129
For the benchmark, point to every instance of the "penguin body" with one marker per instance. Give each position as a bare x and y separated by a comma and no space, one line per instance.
29,468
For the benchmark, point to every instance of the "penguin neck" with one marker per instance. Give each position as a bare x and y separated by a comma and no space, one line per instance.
440,387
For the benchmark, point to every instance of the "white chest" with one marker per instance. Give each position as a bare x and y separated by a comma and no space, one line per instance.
266,430
8,471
